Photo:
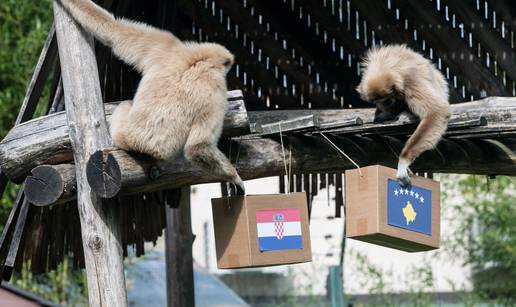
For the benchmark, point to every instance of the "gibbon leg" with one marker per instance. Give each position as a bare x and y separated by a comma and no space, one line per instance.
207,156
119,124
425,137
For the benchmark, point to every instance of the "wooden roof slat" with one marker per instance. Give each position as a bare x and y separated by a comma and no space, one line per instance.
388,29
434,29
270,46
499,50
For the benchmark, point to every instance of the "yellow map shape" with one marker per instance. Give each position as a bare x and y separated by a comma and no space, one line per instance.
409,213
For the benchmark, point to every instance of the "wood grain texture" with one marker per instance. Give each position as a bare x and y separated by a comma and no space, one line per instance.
88,134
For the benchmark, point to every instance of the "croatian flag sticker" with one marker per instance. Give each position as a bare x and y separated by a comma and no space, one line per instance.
279,229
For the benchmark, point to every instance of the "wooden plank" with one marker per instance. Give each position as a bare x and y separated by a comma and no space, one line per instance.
37,83
295,125
7,232
15,240
33,141
178,252
89,133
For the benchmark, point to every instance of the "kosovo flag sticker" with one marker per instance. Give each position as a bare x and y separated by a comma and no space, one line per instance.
409,207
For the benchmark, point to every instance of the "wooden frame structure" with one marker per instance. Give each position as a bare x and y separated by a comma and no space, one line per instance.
66,157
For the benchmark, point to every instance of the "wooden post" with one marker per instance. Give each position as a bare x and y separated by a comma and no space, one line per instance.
88,134
178,250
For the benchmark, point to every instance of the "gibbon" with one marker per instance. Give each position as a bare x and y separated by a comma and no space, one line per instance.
397,79
180,102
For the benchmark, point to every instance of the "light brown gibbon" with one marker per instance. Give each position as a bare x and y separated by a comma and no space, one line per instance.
180,102
397,79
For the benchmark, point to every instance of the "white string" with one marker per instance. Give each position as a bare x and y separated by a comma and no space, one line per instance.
284,158
342,152
289,164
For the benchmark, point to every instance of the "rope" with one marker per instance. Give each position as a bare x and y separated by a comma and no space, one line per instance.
341,152
285,159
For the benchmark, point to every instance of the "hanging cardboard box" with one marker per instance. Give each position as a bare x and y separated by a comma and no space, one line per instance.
381,211
261,230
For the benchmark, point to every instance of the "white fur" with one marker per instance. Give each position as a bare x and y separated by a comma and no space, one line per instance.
179,105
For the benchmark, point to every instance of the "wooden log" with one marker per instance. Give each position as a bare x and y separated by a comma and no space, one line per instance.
260,158
88,134
48,183
178,253
45,140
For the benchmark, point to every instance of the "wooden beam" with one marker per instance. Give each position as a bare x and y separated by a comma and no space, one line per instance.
32,141
46,141
263,157
89,133
178,253
37,83
8,233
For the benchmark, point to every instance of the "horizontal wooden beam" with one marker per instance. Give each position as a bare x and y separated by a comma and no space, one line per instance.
45,140
263,157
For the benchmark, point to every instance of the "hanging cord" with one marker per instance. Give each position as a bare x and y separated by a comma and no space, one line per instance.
340,151
285,159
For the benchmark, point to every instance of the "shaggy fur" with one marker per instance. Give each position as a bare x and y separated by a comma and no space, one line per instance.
180,102
395,74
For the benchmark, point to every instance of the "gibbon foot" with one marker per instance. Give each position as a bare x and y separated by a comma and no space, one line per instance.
239,185
210,158
403,171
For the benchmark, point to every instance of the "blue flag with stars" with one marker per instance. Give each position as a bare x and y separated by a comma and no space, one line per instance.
409,207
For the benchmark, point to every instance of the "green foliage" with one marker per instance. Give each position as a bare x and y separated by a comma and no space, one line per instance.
486,235
379,282
24,26
62,286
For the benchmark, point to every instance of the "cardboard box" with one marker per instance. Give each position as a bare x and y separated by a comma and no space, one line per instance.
261,230
381,211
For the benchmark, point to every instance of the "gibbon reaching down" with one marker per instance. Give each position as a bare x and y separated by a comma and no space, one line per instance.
397,79
180,102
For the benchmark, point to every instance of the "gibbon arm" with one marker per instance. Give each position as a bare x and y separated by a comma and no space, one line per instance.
137,44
